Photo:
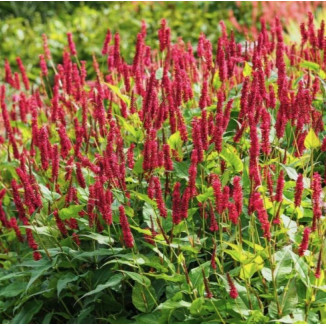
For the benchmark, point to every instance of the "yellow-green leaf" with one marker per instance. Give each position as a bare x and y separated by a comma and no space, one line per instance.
117,92
230,155
312,141
216,81
175,142
247,70
248,270
310,65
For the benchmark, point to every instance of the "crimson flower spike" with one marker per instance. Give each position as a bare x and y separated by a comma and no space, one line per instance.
319,263
127,235
305,241
316,193
71,44
107,40
233,290
298,190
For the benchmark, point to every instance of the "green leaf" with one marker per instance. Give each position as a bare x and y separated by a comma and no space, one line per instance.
101,239
71,211
291,172
312,141
284,264
27,313
159,73
37,272
290,226
196,276
154,317
216,81
310,65
50,196
143,298
117,92
176,278
196,306
289,298
143,280
301,268
229,154
62,282
148,214
127,126
113,281
208,194
144,198
44,230
248,270
13,276
138,167
267,274
140,230
13,289
181,170
47,318
94,253
85,315
170,305
175,142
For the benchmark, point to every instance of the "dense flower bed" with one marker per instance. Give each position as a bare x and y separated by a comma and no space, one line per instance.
185,186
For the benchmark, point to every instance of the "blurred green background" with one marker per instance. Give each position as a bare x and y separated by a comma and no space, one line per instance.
22,24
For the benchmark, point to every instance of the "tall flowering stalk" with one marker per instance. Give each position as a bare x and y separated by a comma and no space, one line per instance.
316,193
305,241
127,235
233,290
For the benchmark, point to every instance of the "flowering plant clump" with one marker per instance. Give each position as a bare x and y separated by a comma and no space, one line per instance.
184,186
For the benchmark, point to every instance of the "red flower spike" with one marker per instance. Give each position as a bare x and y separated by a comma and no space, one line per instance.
237,194
80,176
14,225
213,223
319,263
213,262
316,194
37,255
43,65
107,40
279,187
23,73
72,47
262,215
233,290
233,213
127,235
46,49
60,223
216,184
176,201
305,241
76,239
298,190
55,162
323,146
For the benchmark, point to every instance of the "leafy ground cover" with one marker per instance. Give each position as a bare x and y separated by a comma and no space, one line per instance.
183,186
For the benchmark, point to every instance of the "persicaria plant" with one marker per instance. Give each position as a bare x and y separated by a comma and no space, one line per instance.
184,186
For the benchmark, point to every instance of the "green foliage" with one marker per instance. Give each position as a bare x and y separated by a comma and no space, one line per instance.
88,21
